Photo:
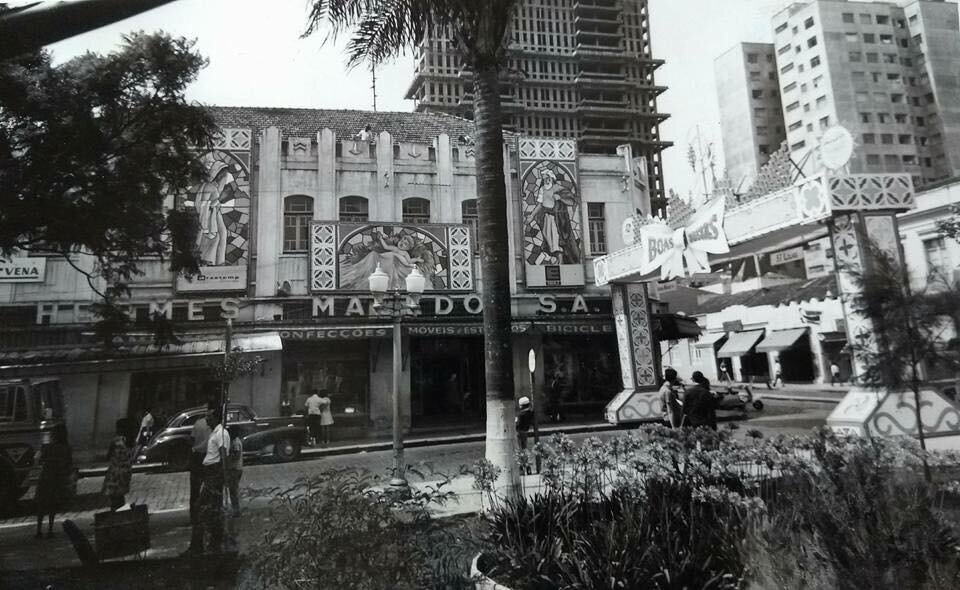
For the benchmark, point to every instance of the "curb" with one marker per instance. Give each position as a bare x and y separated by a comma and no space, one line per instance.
316,453
800,398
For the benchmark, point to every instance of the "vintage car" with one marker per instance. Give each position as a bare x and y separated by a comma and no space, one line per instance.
280,438
29,411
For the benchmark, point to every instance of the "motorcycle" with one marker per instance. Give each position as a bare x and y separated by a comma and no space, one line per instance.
739,400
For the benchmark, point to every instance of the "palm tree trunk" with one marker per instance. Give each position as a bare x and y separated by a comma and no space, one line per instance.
495,274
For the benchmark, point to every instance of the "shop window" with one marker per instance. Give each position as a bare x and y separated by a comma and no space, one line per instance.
597,225
340,368
297,213
168,393
581,374
415,210
354,209
470,216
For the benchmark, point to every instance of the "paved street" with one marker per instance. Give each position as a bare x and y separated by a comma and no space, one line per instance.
167,493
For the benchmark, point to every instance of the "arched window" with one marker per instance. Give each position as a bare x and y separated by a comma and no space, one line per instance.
297,213
355,209
416,210
470,216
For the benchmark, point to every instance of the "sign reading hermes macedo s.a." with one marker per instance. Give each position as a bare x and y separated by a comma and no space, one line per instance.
656,246
21,269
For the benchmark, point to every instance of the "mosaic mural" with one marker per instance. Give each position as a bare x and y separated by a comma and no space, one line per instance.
550,199
344,255
222,206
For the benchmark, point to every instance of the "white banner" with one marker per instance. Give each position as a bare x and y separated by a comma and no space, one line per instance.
22,270
215,278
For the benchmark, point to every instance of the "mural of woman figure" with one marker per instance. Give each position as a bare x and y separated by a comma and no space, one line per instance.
552,216
212,238
395,259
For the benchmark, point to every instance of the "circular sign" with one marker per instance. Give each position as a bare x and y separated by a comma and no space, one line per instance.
836,147
629,231
532,361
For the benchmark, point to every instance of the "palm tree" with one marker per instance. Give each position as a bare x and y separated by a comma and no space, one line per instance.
381,29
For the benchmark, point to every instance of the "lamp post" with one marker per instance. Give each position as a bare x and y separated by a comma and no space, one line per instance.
397,304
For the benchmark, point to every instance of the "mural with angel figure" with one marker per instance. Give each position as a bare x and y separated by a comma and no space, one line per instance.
551,215
397,249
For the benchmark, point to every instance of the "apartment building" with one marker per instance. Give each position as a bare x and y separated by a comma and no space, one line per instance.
751,116
885,71
579,69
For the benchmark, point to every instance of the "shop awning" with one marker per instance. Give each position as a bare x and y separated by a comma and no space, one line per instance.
739,343
708,339
778,340
670,326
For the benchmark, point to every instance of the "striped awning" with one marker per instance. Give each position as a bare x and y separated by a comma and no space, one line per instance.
778,340
708,339
739,343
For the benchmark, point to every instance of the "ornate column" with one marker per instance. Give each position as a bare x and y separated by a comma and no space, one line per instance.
639,356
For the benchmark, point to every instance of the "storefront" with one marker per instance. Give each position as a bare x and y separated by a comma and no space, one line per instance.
792,348
581,374
446,381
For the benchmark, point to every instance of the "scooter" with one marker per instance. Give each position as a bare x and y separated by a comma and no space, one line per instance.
739,400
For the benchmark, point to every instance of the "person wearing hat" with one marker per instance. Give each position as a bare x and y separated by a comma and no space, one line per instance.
524,420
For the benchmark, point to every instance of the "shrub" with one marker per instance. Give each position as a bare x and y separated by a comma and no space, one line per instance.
336,530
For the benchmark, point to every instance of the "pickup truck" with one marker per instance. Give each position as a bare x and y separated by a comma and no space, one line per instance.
280,438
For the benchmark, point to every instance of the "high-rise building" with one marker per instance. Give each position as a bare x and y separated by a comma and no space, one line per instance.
885,71
751,119
580,69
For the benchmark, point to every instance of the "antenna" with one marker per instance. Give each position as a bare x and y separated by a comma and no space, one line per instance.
373,86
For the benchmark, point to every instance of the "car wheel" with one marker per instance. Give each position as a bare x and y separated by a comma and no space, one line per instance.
758,405
286,449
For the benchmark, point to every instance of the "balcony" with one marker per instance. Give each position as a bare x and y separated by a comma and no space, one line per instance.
599,107
586,50
597,21
601,79
609,9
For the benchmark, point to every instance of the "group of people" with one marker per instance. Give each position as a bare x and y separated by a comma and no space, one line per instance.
319,417
216,462
694,406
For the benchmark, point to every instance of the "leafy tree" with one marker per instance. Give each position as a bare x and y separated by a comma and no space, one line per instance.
381,29
909,328
92,150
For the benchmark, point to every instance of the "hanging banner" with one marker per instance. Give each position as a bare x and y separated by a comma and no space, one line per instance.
685,250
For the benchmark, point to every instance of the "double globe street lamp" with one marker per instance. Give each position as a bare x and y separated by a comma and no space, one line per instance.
397,304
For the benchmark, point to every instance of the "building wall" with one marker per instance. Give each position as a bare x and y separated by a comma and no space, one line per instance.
918,230
751,120
864,65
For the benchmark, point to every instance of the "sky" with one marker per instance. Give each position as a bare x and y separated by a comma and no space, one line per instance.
257,58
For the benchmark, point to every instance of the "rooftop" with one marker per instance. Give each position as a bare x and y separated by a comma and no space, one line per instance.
820,288
415,127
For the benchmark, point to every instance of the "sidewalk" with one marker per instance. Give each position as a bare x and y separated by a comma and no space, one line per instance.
801,392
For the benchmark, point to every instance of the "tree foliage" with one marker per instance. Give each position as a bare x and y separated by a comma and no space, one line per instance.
91,153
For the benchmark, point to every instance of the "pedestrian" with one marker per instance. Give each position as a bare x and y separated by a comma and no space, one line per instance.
234,473
211,492
699,403
326,416
200,435
670,403
116,482
524,420
834,374
146,427
314,411
724,373
777,375
286,408
56,475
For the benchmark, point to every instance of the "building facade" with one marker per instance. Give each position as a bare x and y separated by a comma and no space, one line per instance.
579,69
296,213
885,71
751,116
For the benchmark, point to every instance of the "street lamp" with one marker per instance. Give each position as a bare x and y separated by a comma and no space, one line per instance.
397,304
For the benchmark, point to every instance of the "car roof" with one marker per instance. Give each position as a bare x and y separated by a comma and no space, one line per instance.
203,409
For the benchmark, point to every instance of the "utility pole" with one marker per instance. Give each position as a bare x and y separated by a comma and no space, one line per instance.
373,75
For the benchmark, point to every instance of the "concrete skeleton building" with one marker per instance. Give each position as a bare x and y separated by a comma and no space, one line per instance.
297,211
579,69
885,71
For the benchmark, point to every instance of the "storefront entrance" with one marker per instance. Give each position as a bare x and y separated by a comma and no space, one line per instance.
340,370
446,381
167,393
581,374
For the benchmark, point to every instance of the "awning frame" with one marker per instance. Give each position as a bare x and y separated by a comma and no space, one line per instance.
737,343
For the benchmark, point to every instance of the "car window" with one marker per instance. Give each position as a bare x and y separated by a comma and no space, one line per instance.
189,420
13,404
234,416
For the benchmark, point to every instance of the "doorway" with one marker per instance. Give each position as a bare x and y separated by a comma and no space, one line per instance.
446,382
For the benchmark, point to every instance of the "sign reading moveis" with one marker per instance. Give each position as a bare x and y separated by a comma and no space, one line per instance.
681,251
22,270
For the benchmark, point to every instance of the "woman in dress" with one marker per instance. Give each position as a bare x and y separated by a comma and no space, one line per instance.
56,473
326,416
116,483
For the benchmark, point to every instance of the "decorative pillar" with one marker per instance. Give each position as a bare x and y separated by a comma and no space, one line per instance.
639,356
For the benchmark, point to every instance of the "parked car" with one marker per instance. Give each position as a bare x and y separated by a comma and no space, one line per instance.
280,438
30,409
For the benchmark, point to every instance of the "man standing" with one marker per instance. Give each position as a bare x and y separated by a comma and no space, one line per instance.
834,374
200,435
724,373
211,493
314,413
699,404
670,403
777,375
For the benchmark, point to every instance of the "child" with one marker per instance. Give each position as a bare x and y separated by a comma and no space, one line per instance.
116,482
53,489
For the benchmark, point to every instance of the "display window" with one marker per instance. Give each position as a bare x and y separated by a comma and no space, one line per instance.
341,370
